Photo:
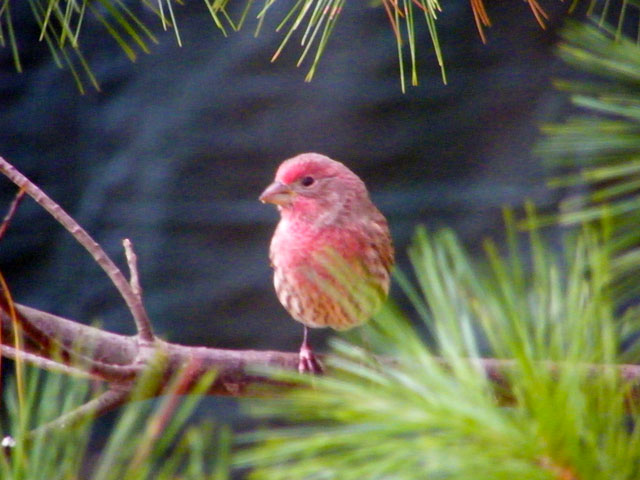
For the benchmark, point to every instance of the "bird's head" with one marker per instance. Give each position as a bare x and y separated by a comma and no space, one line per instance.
313,185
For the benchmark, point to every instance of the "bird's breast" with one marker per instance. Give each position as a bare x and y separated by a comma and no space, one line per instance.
327,278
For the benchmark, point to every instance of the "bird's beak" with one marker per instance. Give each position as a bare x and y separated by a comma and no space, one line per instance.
277,193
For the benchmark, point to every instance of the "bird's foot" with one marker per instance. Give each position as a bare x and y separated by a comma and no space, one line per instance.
308,362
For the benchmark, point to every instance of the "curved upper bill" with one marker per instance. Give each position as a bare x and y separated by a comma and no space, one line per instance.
277,193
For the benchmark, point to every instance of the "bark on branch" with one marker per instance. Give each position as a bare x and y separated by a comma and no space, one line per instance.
235,377
119,359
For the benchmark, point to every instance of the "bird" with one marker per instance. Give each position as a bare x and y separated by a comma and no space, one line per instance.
331,252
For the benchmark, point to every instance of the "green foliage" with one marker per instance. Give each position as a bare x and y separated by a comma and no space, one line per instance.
321,17
61,23
150,440
425,410
40,457
600,149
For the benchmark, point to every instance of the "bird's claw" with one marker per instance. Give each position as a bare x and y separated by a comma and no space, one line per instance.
308,362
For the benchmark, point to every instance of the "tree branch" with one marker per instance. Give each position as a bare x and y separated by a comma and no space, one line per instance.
63,342
84,239
234,368
116,358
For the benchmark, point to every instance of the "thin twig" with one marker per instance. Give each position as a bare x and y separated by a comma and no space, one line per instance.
13,208
44,362
144,324
84,239
132,262
7,301
11,212
109,400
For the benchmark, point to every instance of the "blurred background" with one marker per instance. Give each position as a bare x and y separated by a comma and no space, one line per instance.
176,147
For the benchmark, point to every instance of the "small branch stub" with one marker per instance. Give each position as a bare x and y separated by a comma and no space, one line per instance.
138,311
132,261
13,208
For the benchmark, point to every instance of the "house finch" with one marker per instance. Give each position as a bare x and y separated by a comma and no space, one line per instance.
331,251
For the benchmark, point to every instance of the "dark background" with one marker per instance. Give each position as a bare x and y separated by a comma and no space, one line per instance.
175,149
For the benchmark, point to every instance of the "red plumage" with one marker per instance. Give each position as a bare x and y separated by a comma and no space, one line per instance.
332,251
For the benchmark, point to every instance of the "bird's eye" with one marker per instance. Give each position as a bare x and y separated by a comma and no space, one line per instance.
307,181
